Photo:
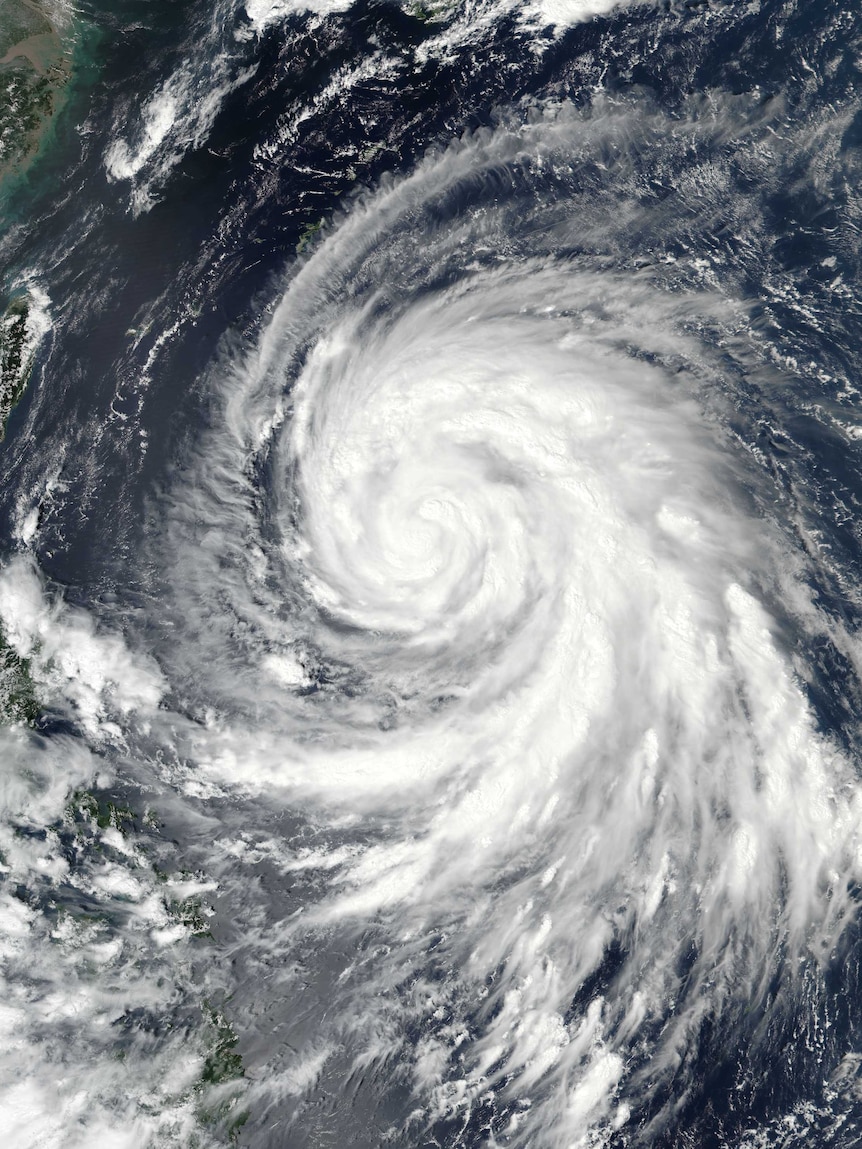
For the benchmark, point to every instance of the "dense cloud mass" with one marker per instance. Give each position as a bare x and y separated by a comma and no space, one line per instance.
506,607
461,748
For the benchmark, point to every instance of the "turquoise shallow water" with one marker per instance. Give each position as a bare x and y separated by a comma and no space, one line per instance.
79,39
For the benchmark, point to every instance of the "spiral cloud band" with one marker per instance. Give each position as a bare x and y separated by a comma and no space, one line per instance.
509,615
477,674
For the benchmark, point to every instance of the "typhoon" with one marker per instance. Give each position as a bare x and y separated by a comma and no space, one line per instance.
431,645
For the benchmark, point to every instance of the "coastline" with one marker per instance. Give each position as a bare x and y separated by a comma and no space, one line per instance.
37,49
35,66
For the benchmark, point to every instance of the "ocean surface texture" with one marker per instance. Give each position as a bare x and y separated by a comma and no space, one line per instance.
430,557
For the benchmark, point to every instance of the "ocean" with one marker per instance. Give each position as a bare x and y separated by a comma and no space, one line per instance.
429,597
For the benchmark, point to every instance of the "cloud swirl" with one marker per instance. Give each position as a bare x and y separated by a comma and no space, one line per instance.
483,585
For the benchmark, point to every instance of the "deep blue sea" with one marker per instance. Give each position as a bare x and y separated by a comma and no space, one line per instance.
430,538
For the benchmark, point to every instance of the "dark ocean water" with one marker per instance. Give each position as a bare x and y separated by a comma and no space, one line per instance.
431,530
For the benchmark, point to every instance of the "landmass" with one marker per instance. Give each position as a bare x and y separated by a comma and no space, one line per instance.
22,326
34,68
18,701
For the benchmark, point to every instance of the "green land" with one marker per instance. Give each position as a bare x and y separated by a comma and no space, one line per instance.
35,65
16,356
17,350
17,695
34,69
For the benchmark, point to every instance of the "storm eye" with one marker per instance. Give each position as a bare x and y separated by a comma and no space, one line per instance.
429,669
